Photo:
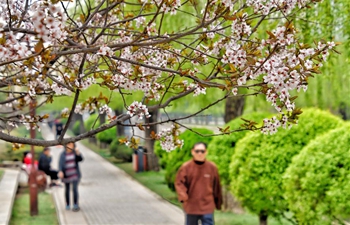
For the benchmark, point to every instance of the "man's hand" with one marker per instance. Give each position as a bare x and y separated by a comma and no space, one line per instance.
60,174
77,151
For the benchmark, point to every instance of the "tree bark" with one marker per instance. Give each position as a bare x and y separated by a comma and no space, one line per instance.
343,110
152,159
262,219
233,108
102,118
79,117
120,129
72,122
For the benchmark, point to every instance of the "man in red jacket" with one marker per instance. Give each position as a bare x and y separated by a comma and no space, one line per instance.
198,187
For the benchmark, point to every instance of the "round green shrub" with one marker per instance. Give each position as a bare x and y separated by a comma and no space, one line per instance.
120,151
317,182
76,128
90,122
221,148
107,136
260,160
177,157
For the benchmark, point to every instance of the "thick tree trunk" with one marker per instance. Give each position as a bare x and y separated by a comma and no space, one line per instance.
102,118
120,129
79,117
73,120
230,203
233,108
152,159
262,219
343,110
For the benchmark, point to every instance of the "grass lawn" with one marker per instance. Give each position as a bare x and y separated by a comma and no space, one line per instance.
153,181
46,207
1,173
156,183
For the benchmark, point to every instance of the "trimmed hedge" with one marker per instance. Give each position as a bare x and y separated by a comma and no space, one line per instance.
120,151
260,160
221,148
76,128
162,155
107,136
174,159
90,122
317,182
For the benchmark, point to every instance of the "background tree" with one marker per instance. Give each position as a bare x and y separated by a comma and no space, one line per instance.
259,162
60,48
317,180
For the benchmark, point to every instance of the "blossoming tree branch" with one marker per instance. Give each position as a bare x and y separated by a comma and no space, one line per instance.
59,48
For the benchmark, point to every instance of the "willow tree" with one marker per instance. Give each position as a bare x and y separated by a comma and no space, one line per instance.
59,48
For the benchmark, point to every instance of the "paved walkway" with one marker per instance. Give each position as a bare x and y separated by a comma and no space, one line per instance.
8,189
109,196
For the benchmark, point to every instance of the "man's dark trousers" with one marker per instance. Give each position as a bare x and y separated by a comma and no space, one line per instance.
207,219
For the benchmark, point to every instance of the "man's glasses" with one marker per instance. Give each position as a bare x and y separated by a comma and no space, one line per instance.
199,151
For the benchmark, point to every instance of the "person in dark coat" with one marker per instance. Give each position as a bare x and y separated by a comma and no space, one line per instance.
59,128
70,174
45,166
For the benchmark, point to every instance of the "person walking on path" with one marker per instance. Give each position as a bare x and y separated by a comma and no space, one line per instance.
45,165
59,128
70,174
198,187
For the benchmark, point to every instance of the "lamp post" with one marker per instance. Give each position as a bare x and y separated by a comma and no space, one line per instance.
33,187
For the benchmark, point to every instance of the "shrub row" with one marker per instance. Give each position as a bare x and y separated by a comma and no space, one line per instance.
302,169
109,137
259,163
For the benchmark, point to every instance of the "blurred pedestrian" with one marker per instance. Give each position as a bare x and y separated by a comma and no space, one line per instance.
27,162
198,187
70,173
45,165
59,127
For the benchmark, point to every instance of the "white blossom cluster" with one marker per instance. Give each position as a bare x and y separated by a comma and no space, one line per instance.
47,22
60,89
234,54
197,89
167,140
84,82
240,27
65,112
105,50
147,79
264,6
105,109
27,120
84,108
271,126
137,108
169,6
